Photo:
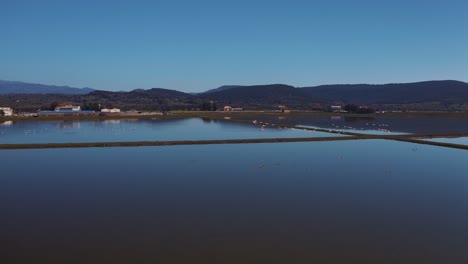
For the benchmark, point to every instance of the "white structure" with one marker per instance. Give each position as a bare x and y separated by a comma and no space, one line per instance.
112,110
67,107
336,108
229,108
7,111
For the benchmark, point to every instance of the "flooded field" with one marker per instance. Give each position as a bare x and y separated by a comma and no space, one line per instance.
370,201
458,140
356,201
141,130
374,125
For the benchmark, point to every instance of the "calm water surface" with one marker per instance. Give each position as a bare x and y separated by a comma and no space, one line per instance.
376,125
141,130
367,201
459,140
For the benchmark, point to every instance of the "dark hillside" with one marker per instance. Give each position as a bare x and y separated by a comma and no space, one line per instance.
261,95
222,88
431,95
404,93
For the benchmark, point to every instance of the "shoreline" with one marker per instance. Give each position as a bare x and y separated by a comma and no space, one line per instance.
220,114
343,135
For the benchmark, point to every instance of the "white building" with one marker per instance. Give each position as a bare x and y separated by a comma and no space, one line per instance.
110,110
7,111
336,108
67,107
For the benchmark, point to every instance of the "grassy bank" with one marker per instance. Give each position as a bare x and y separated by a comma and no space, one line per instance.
167,143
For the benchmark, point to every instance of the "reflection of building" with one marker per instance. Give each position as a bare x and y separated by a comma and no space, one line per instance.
6,123
111,122
65,113
67,107
7,111
110,110
64,125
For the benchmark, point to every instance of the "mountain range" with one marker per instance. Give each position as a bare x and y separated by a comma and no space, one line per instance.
419,95
13,87
430,95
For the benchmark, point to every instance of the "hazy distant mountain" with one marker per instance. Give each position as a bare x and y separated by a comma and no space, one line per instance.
12,87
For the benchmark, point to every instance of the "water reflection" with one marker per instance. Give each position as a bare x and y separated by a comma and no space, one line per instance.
6,123
396,125
456,140
113,122
68,125
335,202
143,130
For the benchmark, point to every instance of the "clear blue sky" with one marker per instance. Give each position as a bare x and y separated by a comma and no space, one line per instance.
197,45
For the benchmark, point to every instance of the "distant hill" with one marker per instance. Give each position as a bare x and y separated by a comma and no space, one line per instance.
258,96
140,99
397,93
13,87
162,93
430,95
222,88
